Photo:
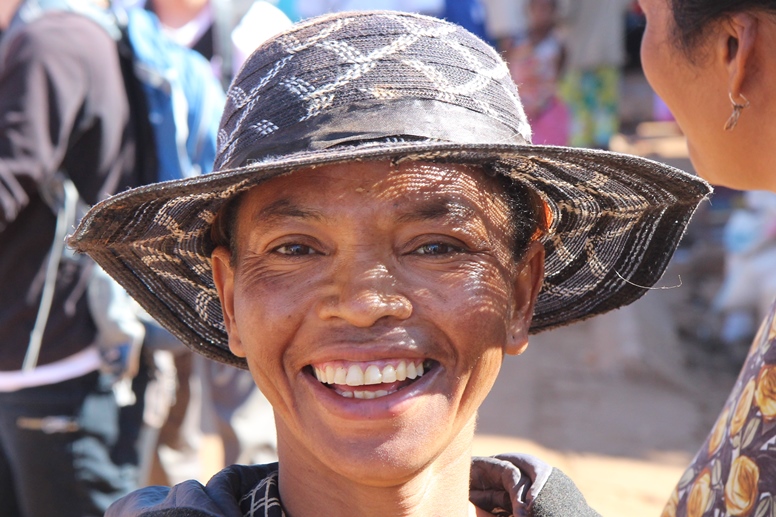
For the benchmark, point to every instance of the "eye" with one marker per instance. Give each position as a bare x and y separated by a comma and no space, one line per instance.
436,248
295,250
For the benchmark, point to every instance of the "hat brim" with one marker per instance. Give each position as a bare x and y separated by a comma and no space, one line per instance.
616,221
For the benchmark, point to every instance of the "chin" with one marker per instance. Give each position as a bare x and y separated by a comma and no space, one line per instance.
738,181
390,463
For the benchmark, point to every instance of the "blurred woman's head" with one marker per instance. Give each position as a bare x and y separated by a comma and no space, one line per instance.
704,56
542,13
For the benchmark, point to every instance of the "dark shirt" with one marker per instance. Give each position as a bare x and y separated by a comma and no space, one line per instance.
63,106
507,485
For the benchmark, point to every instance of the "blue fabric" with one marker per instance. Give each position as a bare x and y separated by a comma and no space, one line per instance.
469,14
184,99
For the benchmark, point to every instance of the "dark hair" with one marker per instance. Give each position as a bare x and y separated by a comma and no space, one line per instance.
528,212
223,231
693,17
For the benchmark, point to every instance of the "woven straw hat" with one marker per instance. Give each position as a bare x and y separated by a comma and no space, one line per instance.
379,85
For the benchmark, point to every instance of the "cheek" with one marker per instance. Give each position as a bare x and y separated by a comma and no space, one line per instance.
654,62
474,304
266,315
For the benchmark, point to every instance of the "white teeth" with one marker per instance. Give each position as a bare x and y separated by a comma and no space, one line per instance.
372,375
401,371
389,373
364,395
411,371
355,376
340,375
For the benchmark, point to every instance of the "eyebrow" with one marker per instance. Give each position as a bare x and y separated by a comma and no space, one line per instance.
437,209
284,208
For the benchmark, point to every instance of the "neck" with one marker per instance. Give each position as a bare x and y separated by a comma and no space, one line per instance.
440,488
177,13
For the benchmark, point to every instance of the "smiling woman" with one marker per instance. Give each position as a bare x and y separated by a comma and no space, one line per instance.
370,268
378,234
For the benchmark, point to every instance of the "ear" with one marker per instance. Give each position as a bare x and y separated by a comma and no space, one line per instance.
223,277
736,47
528,283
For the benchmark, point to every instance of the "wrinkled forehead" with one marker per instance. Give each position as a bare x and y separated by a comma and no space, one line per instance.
407,185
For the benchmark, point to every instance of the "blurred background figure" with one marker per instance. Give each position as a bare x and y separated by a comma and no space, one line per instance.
224,31
68,136
309,8
594,32
471,14
503,20
749,282
535,60
211,397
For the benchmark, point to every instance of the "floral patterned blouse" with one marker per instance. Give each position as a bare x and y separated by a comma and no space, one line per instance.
734,473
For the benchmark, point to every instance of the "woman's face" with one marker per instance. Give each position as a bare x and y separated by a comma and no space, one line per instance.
695,84
347,277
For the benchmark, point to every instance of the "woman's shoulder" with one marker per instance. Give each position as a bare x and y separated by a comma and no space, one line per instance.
521,484
221,497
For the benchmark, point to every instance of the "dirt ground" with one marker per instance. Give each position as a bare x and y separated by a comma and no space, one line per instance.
613,402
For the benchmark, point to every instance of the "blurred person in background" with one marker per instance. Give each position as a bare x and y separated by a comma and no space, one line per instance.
535,59
65,114
310,8
712,62
595,43
224,31
504,19
209,396
749,283
469,14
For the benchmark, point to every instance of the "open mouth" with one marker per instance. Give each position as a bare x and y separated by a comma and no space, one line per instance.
371,380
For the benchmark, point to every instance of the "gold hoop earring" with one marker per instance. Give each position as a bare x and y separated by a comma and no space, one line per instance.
737,109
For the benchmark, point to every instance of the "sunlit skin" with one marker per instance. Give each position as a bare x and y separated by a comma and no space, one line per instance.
370,262
177,13
734,56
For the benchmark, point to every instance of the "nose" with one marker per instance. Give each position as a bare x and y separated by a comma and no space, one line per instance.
364,296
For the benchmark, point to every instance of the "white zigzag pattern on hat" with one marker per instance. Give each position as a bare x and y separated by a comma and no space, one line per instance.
292,45
240,99
152,255
322,97
264,127
204,302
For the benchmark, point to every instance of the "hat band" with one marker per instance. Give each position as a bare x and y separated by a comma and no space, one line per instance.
419,119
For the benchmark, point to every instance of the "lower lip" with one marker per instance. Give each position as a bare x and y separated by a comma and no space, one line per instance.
389,406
